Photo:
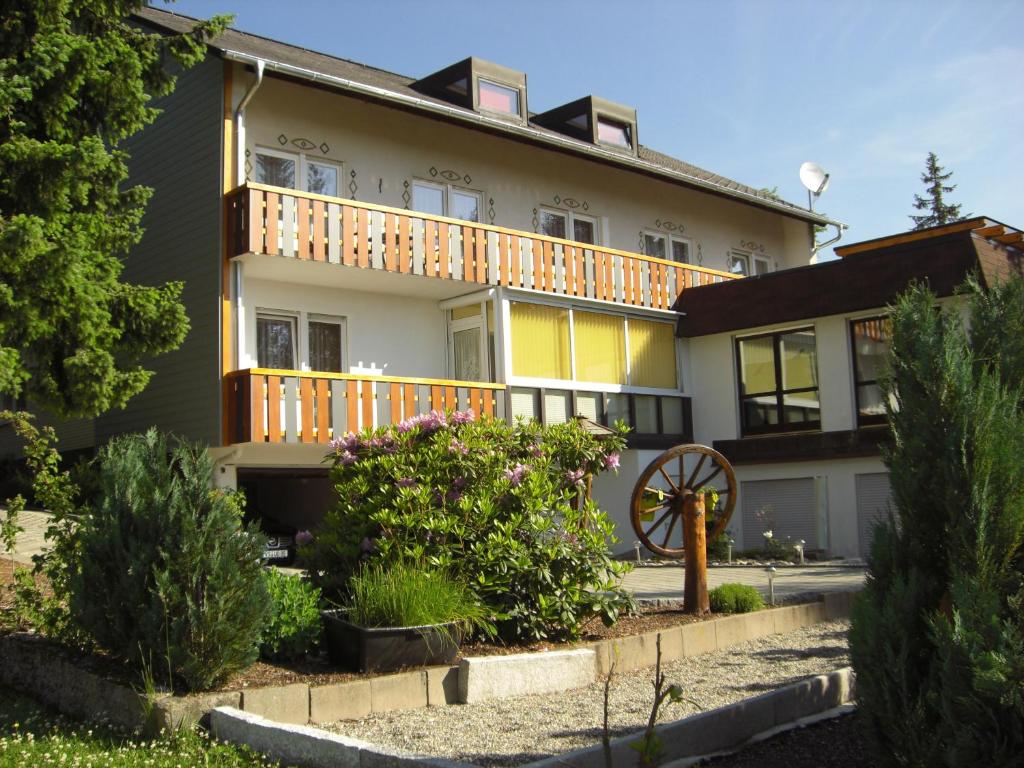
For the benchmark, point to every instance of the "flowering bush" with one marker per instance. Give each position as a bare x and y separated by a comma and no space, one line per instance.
501,507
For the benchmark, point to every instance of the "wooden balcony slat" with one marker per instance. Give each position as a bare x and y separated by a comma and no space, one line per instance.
404,255
389,242
480,241
409,401
306,409
302,227
352,405
363,239
444,243
274,409
368,397
258,394
430,266
348,229
323,410
488,407
273,203
319,225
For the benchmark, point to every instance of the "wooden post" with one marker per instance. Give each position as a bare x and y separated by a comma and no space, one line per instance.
695,584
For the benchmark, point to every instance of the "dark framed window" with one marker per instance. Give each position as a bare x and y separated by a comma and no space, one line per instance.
778,375
869,340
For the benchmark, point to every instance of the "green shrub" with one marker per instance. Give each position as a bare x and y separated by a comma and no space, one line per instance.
496,506
735,598
294,624
938,633
403,595
166,576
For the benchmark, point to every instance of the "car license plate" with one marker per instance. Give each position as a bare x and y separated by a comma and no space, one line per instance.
275,554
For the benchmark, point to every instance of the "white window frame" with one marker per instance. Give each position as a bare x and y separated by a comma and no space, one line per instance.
489,111
280,314
300,343
339,320
759,260
669,240
742,256
446,197
592,386
570,223
467,324
302,161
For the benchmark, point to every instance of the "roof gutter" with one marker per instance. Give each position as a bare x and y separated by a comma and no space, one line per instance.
522,131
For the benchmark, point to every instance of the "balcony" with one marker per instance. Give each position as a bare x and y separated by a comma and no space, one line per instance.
308,227
276,406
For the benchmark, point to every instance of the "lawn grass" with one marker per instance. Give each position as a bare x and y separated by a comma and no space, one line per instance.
31,735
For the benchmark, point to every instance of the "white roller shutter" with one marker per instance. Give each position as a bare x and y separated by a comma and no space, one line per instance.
791,506
874,497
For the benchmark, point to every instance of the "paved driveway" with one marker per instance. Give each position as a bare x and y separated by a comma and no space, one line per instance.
666,582
30,540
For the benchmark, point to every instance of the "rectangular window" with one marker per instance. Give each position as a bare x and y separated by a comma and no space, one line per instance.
614,133
739,263
325,346
446,200
275,342
662,246
540,341
870,342
275,170
560,224
600,347
498,98
761,266
288,169
778,382
652,354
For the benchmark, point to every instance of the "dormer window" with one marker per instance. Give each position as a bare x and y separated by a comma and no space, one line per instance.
614,133
595,121
481,86
498,98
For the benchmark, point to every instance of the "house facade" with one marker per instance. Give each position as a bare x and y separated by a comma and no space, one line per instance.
358,247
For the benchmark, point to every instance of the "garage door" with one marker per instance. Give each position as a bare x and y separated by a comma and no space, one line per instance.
787,507
874,498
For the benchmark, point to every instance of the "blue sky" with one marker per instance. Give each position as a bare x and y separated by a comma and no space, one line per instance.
747,89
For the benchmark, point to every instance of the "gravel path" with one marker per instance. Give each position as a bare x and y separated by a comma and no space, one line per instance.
514,731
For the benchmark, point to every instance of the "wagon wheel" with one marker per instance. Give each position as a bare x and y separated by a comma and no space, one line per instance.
656,507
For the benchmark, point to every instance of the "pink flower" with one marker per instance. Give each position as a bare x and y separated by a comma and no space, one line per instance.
515,475
405,482
302,538
575,476
463,417
458,447
611,461
347,442
346,458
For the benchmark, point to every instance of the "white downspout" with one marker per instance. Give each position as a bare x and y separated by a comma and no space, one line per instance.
240,124
818,246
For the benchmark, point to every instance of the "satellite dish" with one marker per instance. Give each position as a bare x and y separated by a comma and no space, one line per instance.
815,179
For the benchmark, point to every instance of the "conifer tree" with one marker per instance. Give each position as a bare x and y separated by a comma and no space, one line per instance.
76,80
939,211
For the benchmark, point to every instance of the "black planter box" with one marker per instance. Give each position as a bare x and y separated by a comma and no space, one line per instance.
382,649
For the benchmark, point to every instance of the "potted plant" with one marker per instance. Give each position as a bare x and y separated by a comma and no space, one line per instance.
400,615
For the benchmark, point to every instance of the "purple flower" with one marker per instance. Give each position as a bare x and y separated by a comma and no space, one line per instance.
385,443
458,447
302,538
463,417
405,482
453,496
611,461
574,476
536,451
347,442
368,546
459,483
347,458
516,474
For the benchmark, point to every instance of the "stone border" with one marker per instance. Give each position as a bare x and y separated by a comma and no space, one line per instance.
725,728
28,663
718,730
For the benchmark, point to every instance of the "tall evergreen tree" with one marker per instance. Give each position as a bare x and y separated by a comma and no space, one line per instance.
939,211
76,79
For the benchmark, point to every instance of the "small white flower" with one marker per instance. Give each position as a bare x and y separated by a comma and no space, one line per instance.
768,534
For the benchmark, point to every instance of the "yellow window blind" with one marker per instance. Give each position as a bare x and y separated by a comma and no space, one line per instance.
600,347
540,341
757,365
799,360
652,354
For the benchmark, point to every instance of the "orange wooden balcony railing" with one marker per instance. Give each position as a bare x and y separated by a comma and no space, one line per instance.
276,406
305,226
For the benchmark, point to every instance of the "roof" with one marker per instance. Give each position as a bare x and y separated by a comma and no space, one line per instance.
870,276
372,83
